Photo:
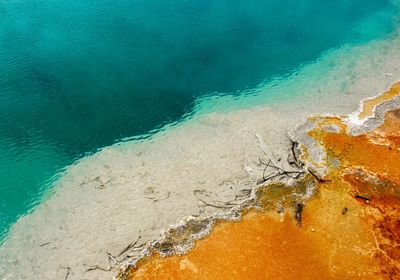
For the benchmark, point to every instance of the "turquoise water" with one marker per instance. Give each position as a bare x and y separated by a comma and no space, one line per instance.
76,76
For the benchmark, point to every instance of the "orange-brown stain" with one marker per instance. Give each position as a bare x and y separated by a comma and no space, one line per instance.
360,151
263,247
369,105
350,229
370,168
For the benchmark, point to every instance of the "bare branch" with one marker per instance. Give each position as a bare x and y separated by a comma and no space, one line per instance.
130,246
320,180
278,171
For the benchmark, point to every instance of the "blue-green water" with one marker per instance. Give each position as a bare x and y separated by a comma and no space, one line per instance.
76,76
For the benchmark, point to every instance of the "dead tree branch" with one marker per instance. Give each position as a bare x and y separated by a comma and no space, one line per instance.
320,180
293,157
130,246
113,261
277,172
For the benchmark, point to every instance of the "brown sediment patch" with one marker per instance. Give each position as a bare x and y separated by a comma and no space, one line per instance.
369,167
376,151
350,228
390,129
268,245
369,105
262,246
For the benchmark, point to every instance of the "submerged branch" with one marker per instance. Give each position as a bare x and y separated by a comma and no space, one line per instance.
278,171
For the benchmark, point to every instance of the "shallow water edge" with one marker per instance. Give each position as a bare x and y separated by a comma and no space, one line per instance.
345,205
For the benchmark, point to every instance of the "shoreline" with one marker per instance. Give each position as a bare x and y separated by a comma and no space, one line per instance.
183,238
129,190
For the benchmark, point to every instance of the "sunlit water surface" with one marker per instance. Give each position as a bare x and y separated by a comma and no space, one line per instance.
76,76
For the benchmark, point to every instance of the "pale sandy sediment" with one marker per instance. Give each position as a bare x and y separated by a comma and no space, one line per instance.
106,201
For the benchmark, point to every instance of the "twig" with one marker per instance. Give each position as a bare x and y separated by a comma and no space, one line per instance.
130,246
110,257
362,197
214,205
296,161
294,146
226,206
298,213
95,267
115,261
279,172
316,177
44,244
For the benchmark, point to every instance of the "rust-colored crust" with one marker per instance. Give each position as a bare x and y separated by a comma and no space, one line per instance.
350,228
370,104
